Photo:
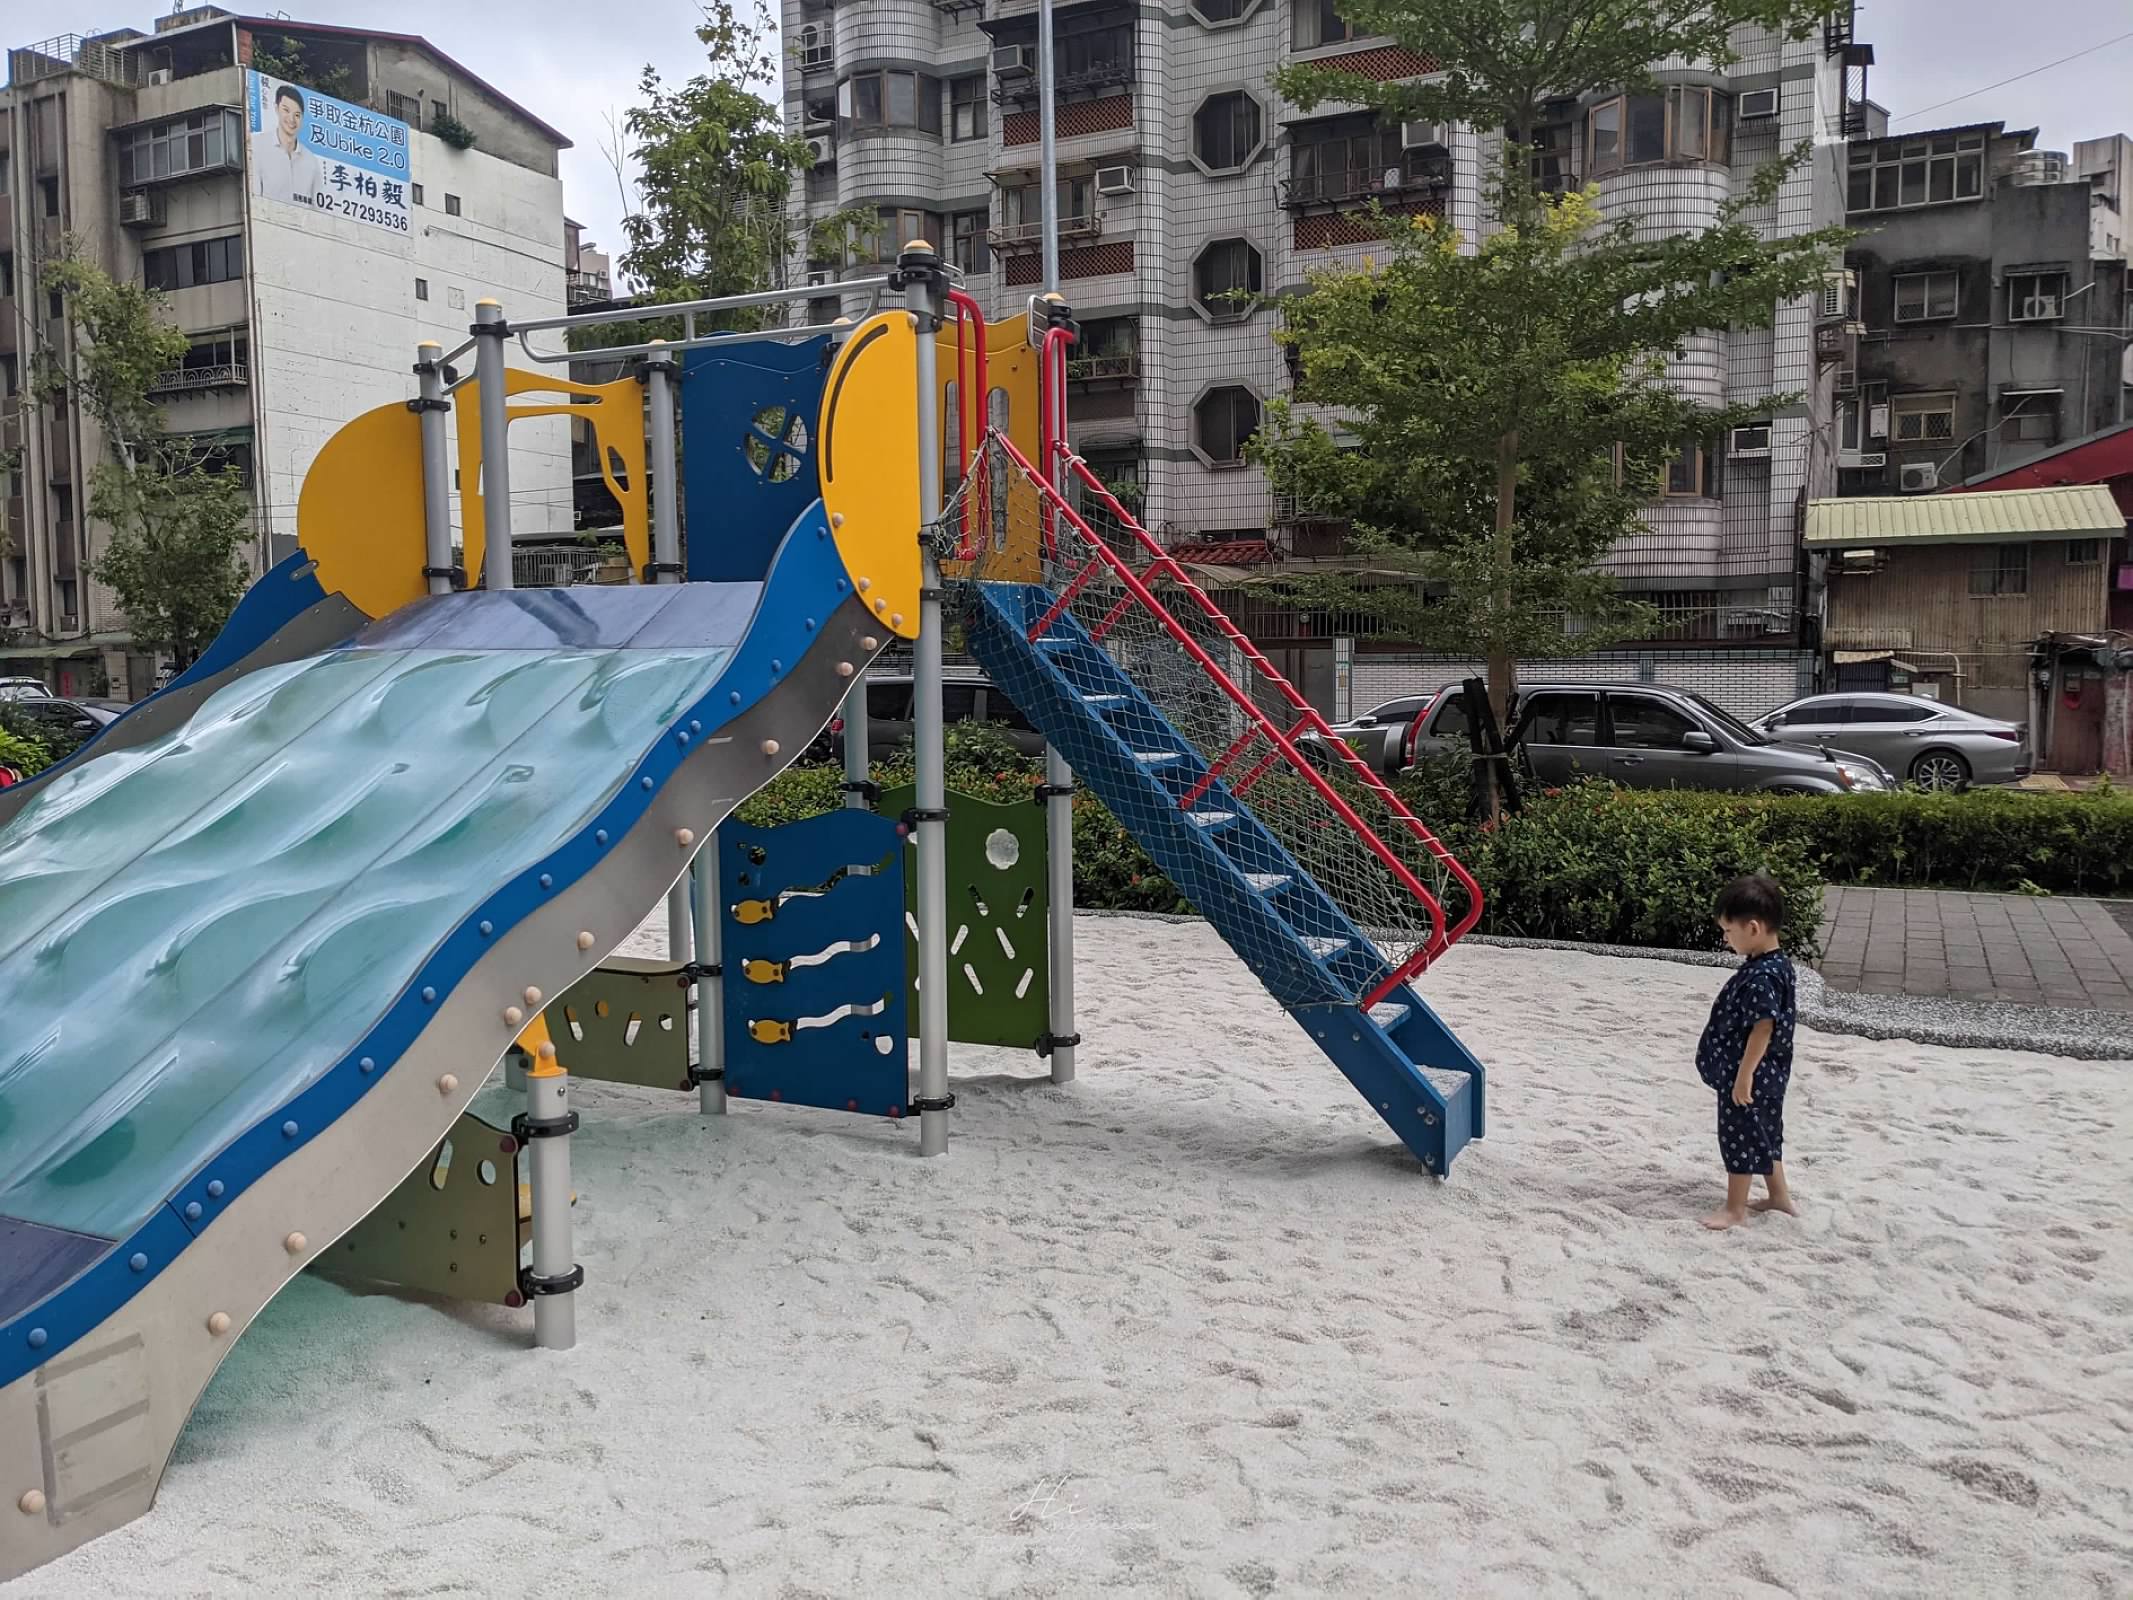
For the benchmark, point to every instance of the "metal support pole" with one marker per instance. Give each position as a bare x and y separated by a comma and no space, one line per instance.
924,292
711,988
1059,869
1048,149
431,408
490,330
663,470
858,757
555,1315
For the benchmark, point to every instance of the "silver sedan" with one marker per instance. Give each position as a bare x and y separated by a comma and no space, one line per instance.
1922,741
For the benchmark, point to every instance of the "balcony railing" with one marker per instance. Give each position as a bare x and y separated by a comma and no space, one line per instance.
1291,509
582,288
1030,235
70,52
1123,367
185,380
1346,185
1090,82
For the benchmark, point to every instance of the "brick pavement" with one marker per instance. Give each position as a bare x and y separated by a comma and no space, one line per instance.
2014,949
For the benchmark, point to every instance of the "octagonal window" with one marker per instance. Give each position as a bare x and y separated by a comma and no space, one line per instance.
1222,421
1224,277
1226,131
1222,13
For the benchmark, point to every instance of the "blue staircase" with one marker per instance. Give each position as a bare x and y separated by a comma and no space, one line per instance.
1398,1053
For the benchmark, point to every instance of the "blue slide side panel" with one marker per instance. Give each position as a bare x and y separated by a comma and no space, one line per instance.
740,507
806,582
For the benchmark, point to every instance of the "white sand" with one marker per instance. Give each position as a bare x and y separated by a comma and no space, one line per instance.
1198,1326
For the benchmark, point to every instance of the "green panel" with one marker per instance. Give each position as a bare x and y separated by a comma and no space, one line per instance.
625,1022
999,944
451,1228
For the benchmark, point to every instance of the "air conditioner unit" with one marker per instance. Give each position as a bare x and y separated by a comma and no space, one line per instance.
1425,136
2038,308
69,622
1862,561
1840,289
1757,105
1752,440
1014,60
158,76
819,280
140,209
1114,180
821,152
1916,477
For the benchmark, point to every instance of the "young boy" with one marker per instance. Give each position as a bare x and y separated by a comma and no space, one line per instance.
1746,1050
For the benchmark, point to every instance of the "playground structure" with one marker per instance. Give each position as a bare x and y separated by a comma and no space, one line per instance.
264,938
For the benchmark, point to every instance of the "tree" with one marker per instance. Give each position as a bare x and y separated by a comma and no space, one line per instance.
1507,400
711,215
178,519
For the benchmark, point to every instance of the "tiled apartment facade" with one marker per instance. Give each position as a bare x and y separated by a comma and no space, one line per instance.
1184,176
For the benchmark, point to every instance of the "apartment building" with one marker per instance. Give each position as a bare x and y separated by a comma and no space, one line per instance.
1184,178
312,201
1989,280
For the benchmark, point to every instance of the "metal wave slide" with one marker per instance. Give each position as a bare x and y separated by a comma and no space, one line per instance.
257,949
1154,704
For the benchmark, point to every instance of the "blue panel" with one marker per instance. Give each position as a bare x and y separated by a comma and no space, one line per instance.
806,580
35,1260
1070,688
737,510
857,1063
585,617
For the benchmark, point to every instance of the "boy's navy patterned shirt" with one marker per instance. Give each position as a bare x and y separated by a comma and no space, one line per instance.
1762,989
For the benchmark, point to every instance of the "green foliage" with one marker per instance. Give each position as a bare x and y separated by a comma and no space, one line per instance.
450,129
21,751
278,56
177,524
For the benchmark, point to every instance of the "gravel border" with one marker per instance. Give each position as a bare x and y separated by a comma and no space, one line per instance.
2080,1035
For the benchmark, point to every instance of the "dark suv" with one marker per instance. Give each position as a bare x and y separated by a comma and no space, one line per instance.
1645,736
965,697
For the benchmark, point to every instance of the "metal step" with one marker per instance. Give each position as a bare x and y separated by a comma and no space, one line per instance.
1156,758
1322,945
1389,1014
1266,882
1210,819
1102,699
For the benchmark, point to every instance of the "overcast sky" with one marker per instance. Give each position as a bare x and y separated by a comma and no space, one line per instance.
572,63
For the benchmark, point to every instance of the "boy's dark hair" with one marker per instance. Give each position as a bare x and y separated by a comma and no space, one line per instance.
1758,896
289,92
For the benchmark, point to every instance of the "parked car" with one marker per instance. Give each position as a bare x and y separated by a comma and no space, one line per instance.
965,697
61,726
1644,736
1922,741
106,712
24,689
1378,735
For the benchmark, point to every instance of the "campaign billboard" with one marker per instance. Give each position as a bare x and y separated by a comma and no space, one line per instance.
332,158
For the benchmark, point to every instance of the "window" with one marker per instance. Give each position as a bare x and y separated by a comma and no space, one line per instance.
1222,421
1925,296
967,234
1641,130
1318,23
1642,723
1025,206
1226,272
1921,418
1562,719
1997,569
7,277
10,376
2030,416
188,266
1109,347
1550,162
966,108
55,304
2084,552
902,227
451,205
414,193
404,108
1218,10
1692,473
68,596
1871,711
3,173
1344,158
889,100
1093,55
2036,296
48,192
822,311
422,288
206,141
1893,173
1225,131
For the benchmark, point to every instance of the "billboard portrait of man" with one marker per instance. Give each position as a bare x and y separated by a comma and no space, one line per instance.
282,168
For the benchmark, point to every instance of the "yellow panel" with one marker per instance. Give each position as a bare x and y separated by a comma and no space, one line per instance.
869,462
616,412
359,514
1010,371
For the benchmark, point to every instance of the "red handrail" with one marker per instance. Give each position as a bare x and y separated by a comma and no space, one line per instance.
973,439
1440,937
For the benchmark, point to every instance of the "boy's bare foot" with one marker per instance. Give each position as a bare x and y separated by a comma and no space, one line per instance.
1724,1218
1775,1203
